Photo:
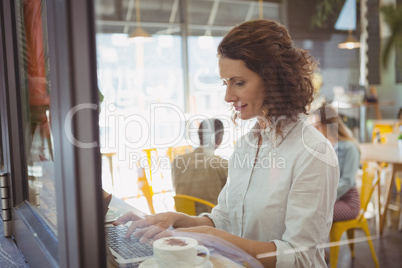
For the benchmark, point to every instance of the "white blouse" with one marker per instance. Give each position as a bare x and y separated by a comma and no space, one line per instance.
285,194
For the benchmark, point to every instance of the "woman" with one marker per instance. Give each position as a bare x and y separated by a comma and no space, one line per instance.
280,191
347,205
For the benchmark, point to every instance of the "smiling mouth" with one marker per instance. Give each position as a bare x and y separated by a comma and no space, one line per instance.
239,107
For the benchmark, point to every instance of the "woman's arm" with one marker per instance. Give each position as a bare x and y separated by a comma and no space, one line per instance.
251,247
183,220
150,226
309,208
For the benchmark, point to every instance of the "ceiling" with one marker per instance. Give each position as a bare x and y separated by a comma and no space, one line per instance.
203,17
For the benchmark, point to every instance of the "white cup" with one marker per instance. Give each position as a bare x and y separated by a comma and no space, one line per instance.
173,252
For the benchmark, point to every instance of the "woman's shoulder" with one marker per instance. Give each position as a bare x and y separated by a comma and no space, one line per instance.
305,134
306,141
346,144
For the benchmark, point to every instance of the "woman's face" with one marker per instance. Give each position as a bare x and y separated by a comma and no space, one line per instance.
244,88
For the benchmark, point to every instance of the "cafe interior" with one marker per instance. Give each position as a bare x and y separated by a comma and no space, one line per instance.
98,97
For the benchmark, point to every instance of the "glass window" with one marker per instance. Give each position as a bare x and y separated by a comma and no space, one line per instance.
141,81
207,93
208,22
35,96
160,83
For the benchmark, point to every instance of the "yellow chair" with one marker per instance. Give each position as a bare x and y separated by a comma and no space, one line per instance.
151,167
149,158
186,203
146,188
384,130
172,152
370,180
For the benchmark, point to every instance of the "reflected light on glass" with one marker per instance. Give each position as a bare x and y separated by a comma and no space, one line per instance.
158,91
165,41
108,54
119,40
205,42
35,171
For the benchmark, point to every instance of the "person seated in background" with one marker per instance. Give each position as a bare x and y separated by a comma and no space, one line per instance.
201,173
400,114
347,205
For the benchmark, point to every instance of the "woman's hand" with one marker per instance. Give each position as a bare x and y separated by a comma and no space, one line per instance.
148,227
159,225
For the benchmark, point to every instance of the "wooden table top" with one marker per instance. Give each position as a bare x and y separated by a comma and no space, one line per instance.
389,153
386,121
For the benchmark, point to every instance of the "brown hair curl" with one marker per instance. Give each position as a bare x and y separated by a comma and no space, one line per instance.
267,49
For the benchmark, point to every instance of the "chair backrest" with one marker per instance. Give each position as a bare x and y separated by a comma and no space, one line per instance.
149,159
383,130
146,188
186,203
172,152
370,180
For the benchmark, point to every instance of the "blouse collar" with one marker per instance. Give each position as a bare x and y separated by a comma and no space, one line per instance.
268,133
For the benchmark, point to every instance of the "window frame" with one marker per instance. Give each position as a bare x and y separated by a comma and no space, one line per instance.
80,241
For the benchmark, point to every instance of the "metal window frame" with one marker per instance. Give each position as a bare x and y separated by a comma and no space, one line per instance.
80,241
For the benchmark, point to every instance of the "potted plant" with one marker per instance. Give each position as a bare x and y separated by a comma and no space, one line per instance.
393,18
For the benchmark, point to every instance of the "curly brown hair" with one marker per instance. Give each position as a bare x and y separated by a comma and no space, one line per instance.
267,49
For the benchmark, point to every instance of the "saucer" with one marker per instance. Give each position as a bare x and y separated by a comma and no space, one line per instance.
151,263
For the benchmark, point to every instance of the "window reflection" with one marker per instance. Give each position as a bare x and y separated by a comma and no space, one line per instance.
176,66
207,92
35,92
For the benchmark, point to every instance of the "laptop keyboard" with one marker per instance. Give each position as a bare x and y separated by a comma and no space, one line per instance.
128,248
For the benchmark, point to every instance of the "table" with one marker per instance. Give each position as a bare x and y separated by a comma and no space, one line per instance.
118,207
389,122
383,153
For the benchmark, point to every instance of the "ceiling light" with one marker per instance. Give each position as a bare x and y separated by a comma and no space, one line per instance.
350,42
139,33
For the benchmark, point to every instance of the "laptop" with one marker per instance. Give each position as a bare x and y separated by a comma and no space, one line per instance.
127,252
